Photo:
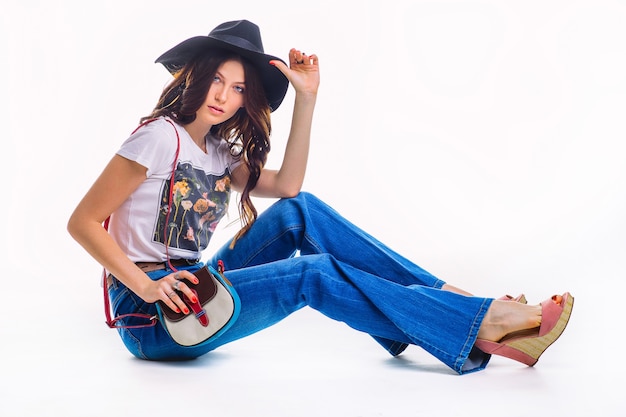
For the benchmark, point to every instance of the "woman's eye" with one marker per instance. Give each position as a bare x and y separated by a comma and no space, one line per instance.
216,79
239,89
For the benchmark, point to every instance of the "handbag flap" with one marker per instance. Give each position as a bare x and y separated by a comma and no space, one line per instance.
206,289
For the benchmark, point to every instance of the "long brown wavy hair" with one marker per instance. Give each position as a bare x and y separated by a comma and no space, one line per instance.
249,129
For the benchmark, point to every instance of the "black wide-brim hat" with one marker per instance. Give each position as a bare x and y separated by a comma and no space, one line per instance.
242,37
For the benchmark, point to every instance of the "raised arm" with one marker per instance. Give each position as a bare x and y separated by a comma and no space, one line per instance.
303,74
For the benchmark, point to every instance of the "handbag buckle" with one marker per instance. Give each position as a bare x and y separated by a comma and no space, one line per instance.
197,309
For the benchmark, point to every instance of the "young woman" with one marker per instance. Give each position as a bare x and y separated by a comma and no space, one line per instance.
218,105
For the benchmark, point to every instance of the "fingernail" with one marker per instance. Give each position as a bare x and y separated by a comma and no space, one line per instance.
194,300
186,311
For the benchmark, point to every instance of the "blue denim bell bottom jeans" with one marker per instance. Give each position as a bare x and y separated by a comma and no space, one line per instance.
340,271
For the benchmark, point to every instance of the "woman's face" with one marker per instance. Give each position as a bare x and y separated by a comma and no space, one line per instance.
226,94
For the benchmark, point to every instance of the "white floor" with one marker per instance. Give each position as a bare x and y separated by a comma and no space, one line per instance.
69,363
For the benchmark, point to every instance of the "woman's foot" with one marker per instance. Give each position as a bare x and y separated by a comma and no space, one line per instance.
526,344
505,317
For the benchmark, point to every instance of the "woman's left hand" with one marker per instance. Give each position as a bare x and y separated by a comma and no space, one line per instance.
303,71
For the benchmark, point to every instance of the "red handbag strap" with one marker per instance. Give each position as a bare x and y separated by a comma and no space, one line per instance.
112,322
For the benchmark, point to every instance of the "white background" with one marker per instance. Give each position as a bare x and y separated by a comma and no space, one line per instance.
483,139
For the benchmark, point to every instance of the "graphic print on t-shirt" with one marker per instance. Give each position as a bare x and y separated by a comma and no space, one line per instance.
199,201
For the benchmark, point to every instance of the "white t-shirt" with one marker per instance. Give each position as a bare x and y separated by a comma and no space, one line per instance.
201,194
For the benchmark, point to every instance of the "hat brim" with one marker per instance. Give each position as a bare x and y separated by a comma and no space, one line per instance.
274,82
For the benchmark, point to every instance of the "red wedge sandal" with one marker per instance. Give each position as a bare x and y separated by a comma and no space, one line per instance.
519,299
527,349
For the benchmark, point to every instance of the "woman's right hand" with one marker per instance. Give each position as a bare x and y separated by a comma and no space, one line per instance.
165,288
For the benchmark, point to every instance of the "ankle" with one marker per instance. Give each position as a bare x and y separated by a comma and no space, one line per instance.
505,317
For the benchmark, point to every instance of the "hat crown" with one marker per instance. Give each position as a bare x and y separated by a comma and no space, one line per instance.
241,33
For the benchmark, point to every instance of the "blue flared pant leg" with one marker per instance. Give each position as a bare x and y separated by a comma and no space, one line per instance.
310,226
342,272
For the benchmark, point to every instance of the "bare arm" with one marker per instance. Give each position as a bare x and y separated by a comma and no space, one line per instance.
116,183
303,74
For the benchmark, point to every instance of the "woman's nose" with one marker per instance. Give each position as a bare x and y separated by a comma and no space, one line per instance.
220,95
